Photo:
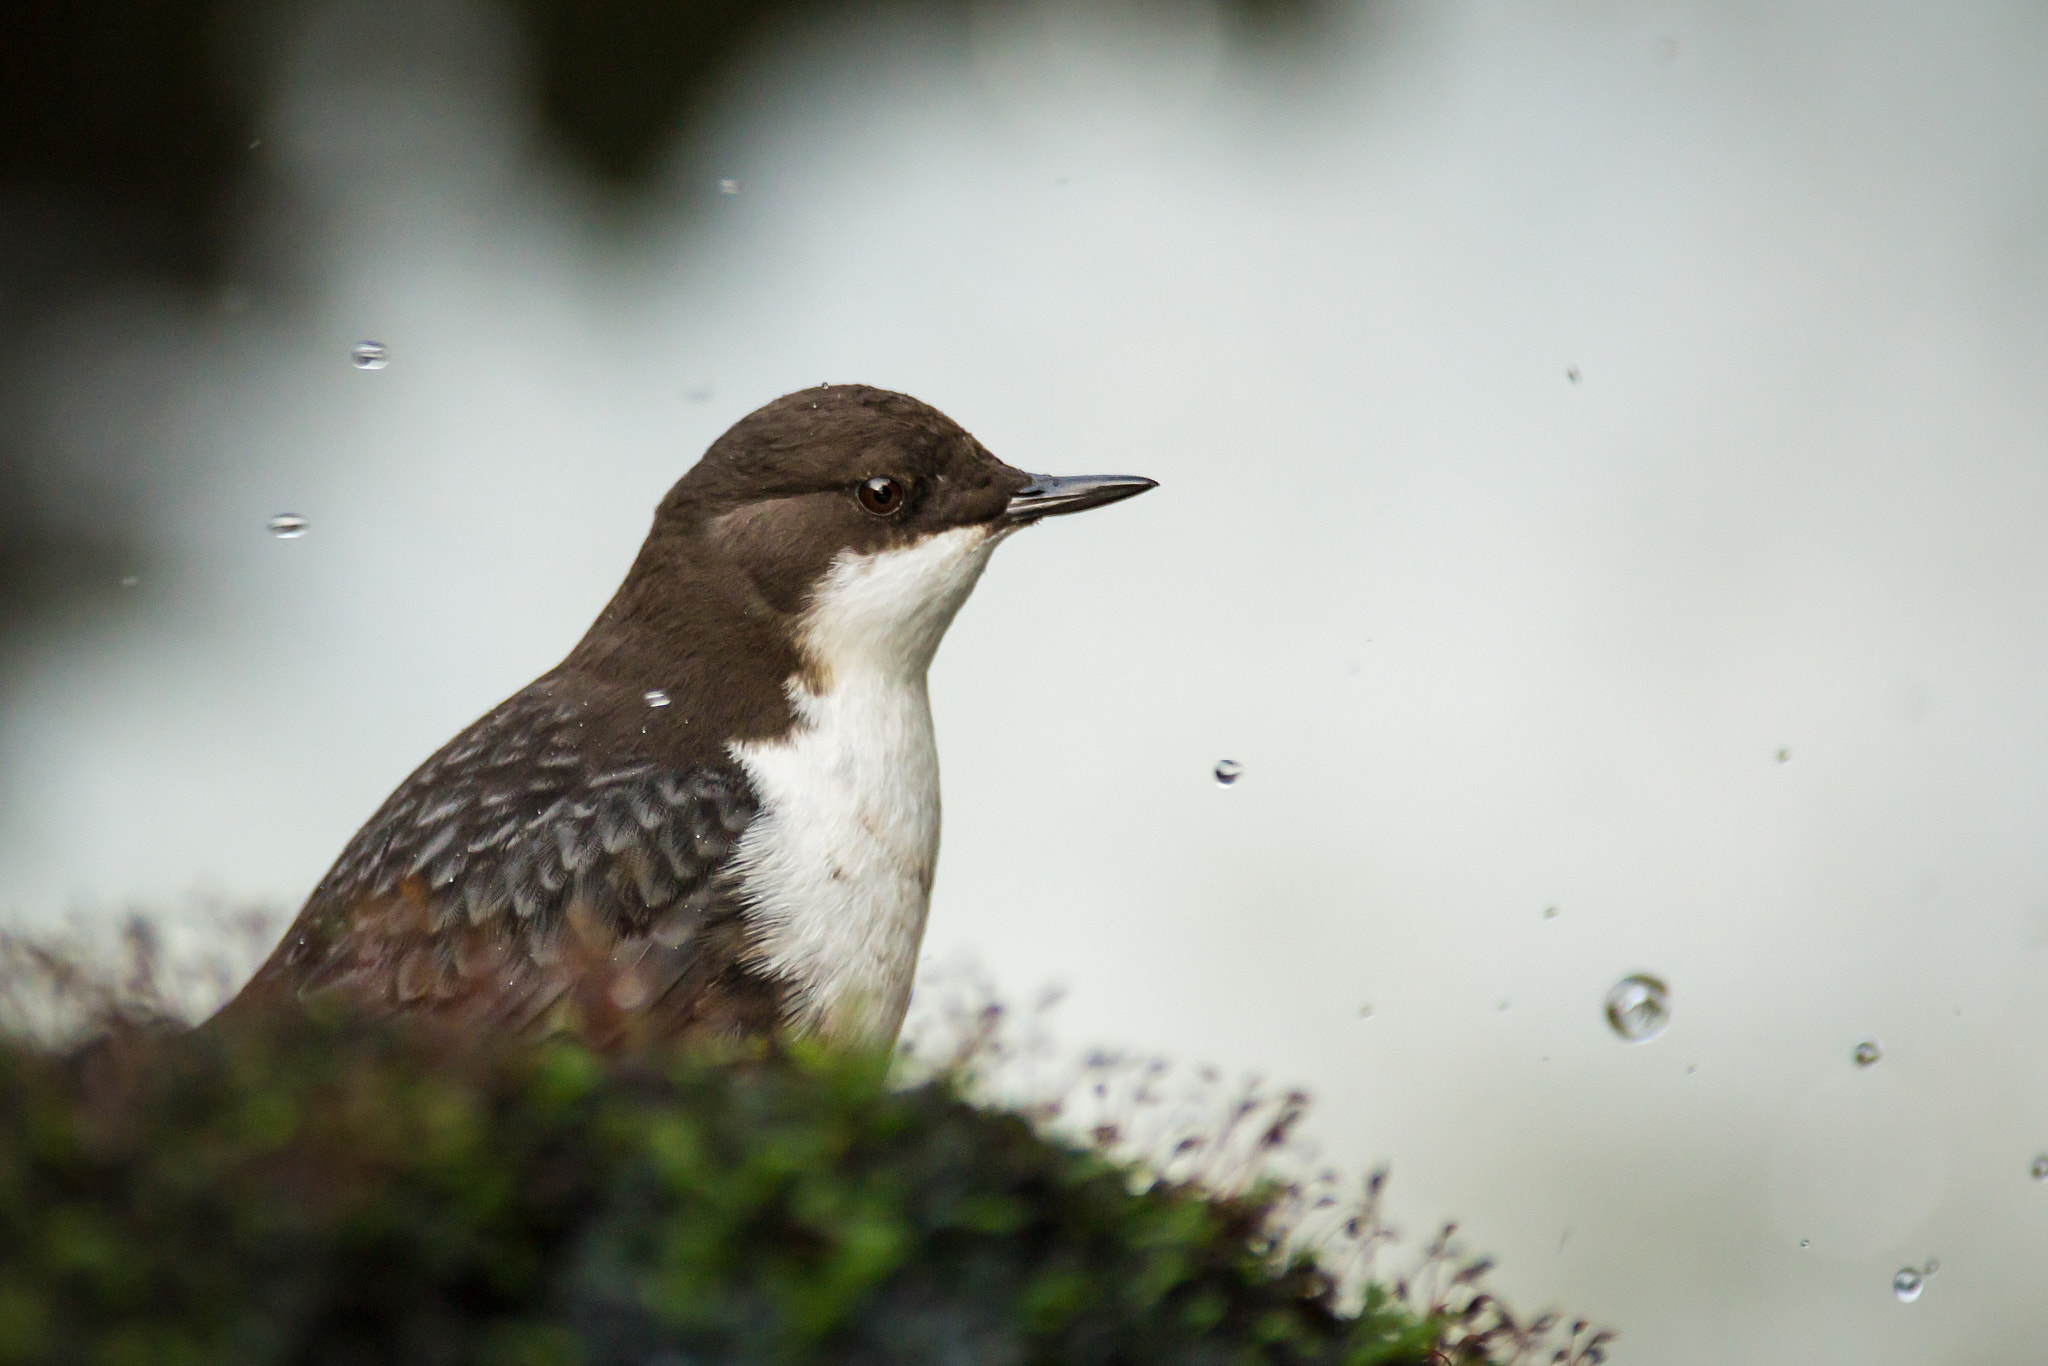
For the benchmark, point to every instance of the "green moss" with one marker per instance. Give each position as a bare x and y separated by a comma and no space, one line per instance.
312,1190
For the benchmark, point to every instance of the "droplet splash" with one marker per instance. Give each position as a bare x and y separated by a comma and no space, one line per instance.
370,355
288,526
1907,1285
1638,1007
654,697
1867,1053
2040,1168
1228,771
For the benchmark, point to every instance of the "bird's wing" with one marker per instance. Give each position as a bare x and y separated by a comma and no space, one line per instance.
510,877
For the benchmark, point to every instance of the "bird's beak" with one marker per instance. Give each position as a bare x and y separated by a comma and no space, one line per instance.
1050,495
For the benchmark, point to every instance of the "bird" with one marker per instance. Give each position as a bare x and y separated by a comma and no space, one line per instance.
718,816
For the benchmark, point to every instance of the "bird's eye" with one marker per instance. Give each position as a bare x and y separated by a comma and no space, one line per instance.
880,495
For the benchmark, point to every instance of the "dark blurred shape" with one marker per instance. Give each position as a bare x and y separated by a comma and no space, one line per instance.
129,136
127,111
615,77
113,114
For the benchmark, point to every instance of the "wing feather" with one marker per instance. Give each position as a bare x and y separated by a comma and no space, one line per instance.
508,877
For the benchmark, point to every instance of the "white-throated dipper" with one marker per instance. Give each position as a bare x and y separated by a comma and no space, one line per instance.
719,815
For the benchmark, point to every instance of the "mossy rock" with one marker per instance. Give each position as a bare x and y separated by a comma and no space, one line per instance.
325,1190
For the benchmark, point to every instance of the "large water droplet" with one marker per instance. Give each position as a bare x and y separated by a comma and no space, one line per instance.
1907,1285
288,526
2040,1168
1228,771
370,355
1638,1007
654,697
1867,1053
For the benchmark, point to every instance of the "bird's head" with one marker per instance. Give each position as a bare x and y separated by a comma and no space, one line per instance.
864,518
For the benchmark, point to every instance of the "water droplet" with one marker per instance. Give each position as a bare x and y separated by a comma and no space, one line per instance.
370,355
1550,912
1907,1285
2040,1168
1571,372
1365,1013
1806,1242
1867,1053
654,697
1784,756
130,580
288,526
1228,771
1638,1007
1503,1005
728,187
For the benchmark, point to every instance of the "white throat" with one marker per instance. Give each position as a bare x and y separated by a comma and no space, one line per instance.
837,867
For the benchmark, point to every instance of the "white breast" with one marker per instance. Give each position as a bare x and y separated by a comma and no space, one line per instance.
837,867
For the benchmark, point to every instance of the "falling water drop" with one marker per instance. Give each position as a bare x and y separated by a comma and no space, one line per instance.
1638,1007
1571,372
654,697
369,355
1228,771
1867,1053
288,526
2040,1168
1907,1285
728,186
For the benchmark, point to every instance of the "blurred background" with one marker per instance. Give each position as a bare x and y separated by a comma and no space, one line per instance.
1604,462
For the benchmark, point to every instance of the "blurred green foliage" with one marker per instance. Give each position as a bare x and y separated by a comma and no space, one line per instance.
325,1190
